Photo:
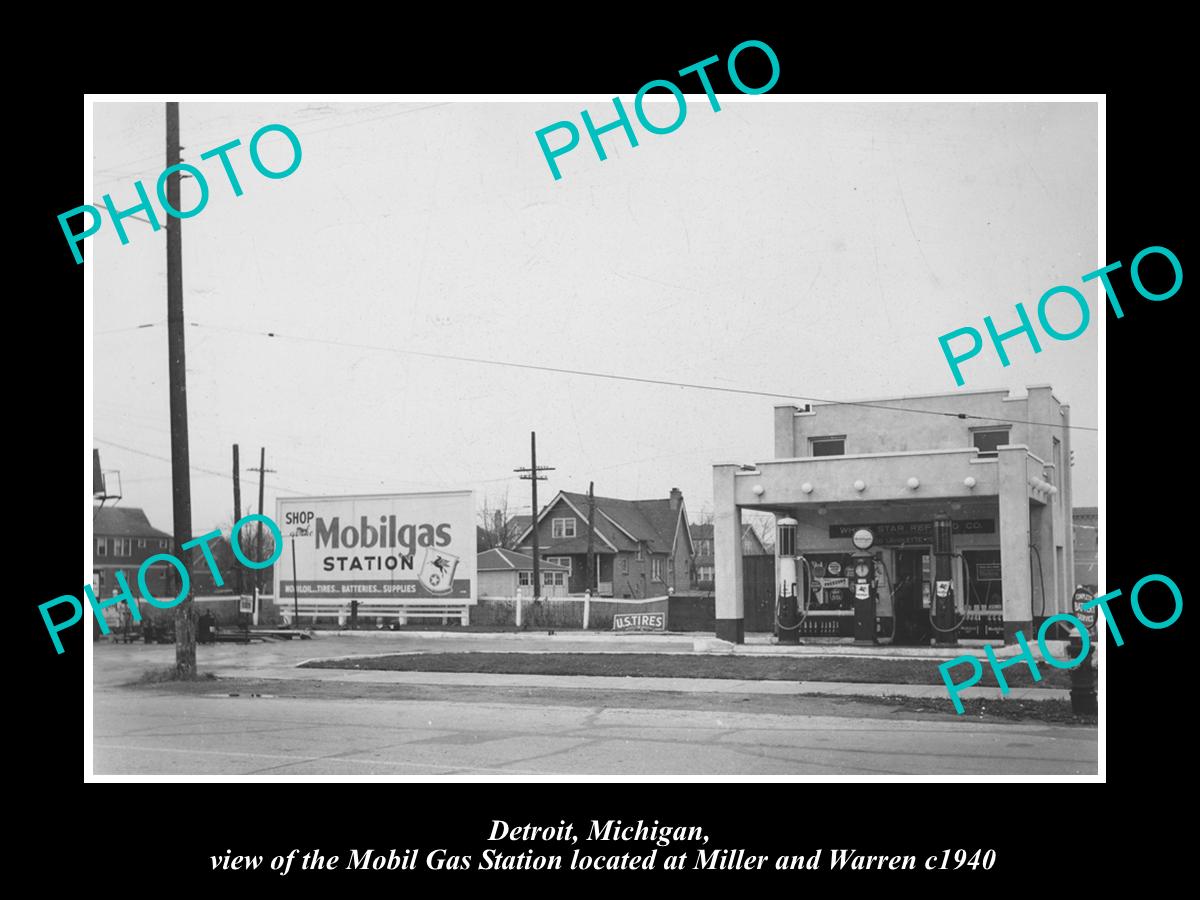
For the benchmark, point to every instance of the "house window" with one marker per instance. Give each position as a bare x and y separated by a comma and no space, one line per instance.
553,579
162,545
141,543
834,445
656,569
102,546
706,573
560,561
524,579
638,554
122,547
986,440
563,528
624,565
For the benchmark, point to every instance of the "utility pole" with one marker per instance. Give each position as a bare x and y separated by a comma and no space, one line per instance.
181,487
237,507
295,588
533,475
591,553
262,471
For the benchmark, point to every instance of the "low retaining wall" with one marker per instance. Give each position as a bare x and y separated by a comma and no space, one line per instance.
683,613
559,612
692,613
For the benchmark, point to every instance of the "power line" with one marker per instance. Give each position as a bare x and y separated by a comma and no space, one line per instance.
197,468
632,378
130,328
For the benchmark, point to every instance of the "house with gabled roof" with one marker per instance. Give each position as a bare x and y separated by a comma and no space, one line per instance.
507,573
643,547
702,538
123,539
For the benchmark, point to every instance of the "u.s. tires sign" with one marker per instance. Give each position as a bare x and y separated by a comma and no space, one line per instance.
388,548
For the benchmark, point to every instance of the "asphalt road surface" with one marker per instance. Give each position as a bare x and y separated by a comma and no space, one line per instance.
434,730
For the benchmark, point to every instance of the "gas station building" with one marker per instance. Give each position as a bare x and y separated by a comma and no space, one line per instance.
997,465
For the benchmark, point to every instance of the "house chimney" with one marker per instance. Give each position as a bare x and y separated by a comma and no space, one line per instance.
676,498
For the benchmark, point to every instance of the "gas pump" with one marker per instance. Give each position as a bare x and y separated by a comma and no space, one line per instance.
941,614
864,583
787,602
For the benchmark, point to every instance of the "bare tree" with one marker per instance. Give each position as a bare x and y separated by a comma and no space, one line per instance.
498,527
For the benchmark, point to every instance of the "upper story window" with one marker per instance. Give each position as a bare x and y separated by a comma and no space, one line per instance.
638,553
563,528
704,548
141,543
656,568
102,546
988,439
122,547
162,545
832,445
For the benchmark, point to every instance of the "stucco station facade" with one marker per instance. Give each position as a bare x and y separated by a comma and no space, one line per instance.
997,465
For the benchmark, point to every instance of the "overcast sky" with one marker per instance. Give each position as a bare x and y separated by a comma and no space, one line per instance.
807,248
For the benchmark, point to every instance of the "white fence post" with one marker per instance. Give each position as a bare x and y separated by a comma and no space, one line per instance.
587,608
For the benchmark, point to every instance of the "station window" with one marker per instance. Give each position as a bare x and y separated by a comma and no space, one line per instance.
986,440
833,445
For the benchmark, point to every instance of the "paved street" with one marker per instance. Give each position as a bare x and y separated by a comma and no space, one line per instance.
449,729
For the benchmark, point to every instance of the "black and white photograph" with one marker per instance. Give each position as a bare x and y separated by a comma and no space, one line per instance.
534,438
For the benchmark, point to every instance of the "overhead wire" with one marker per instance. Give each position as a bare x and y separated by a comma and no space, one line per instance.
629,378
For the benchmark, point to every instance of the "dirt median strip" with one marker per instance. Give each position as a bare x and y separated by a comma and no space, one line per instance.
651,665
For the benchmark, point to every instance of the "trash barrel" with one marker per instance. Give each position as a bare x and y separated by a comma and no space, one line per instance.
205,633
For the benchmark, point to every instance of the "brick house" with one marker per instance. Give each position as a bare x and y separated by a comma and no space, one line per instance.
642,547
122,539
702,539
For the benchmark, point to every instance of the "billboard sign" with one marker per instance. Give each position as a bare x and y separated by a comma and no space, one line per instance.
418,549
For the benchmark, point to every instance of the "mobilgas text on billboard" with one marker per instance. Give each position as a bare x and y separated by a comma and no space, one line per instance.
384,548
